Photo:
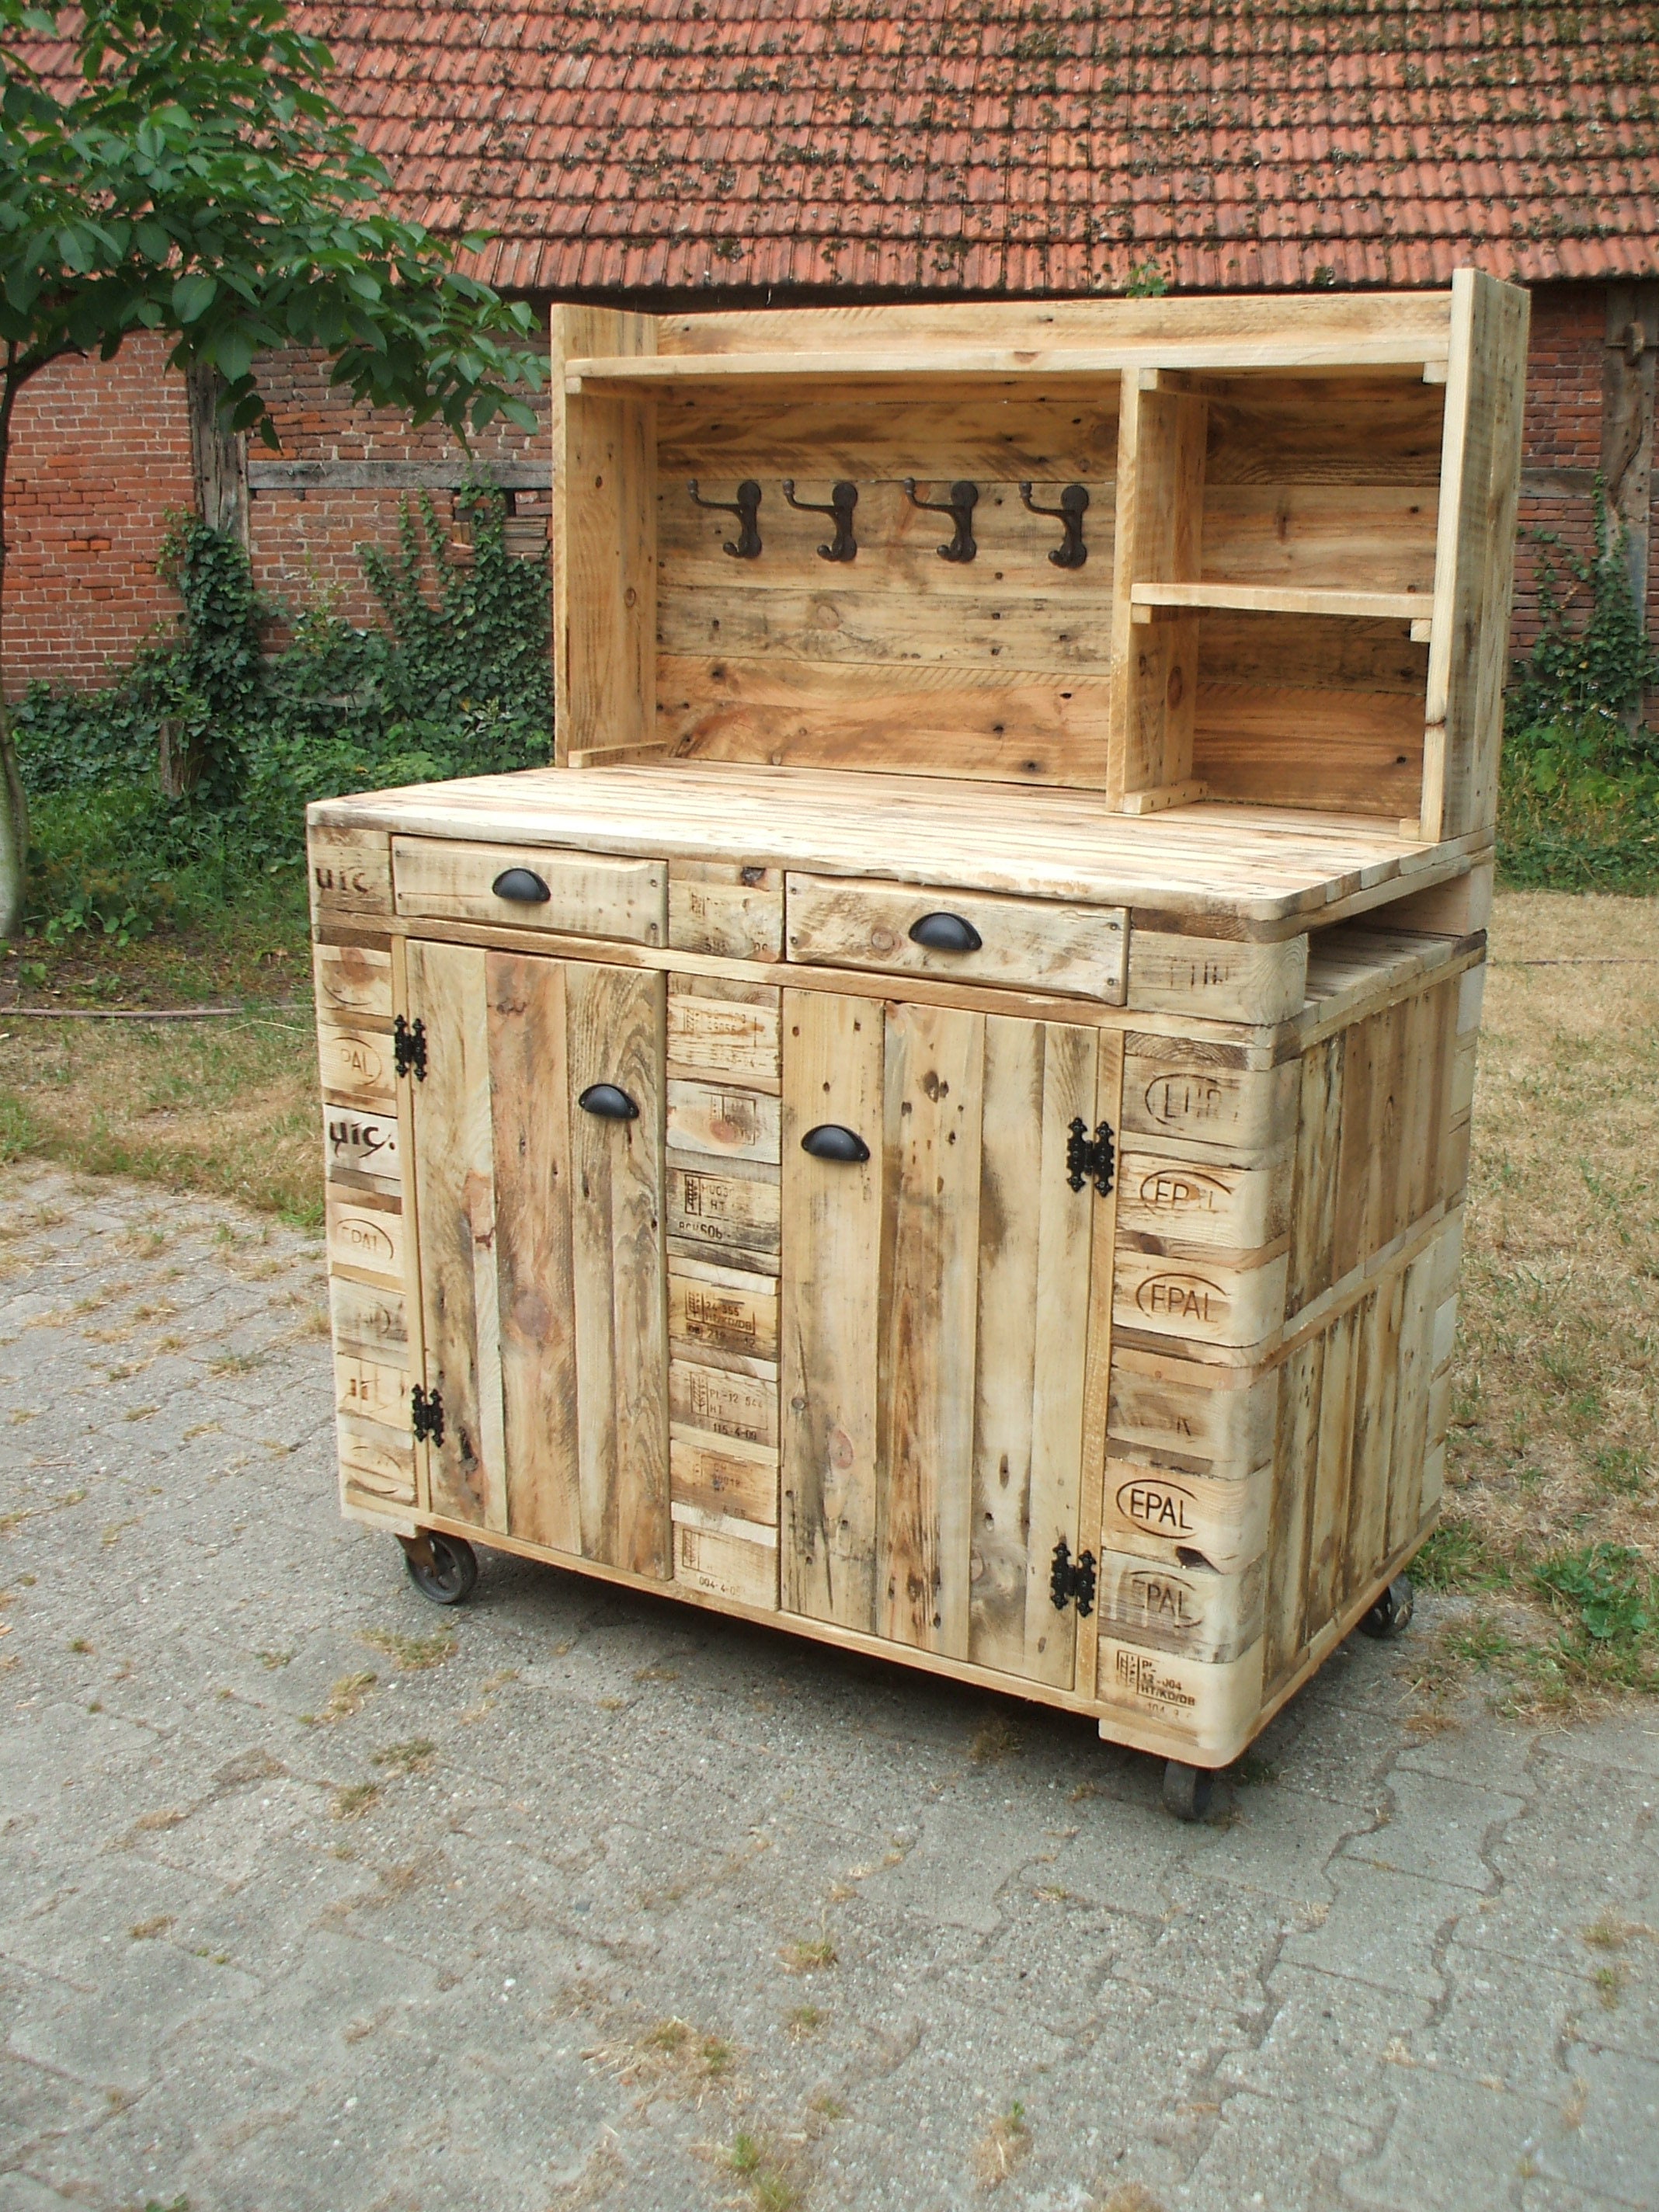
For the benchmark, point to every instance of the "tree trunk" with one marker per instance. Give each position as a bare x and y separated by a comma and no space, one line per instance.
218,456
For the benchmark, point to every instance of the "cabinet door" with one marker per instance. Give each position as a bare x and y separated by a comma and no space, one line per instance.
539,1230
943,1404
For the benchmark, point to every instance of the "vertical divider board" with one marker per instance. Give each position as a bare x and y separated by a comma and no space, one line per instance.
1158,539
415,1354
1474,555
604,548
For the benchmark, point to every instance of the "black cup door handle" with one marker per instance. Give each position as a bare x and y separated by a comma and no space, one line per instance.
522,884
609,1103
829,1141
945,932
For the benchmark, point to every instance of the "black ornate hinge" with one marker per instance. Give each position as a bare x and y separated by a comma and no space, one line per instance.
1071,1580
409,1049
1093,1157
426,1415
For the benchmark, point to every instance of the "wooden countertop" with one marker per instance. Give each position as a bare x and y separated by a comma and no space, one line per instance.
1255,864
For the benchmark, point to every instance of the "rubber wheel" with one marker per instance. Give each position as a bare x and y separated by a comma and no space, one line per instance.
1187,1790
1392,1610
442,1568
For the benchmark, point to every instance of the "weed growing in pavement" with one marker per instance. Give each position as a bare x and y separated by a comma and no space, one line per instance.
412,1654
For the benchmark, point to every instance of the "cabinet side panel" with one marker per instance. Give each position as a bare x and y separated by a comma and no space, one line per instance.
454,1181
616,1036
529,1085
934,1079
1294,1483
832,1215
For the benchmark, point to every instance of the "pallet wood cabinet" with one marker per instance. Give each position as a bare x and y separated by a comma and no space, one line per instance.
941,1120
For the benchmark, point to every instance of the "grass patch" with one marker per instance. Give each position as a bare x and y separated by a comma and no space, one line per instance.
1551,1488
411,1654
412,1758
1002,2147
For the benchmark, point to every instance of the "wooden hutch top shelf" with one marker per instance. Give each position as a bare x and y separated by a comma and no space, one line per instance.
1241,554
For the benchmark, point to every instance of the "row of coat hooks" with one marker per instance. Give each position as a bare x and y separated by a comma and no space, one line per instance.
1071,553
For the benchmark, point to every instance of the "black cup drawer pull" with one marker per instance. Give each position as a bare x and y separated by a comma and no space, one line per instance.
523,885
608,1103
829,1141
945,932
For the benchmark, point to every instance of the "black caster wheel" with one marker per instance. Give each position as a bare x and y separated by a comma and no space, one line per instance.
442,1568
1392,1610
1187,1790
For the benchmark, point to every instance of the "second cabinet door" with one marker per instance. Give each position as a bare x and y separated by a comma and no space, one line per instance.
936,1310
540,1238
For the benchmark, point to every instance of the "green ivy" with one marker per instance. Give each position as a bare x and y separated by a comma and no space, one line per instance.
1579,806
456,679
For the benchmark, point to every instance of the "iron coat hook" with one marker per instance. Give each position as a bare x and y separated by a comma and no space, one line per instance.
747,510
964,497
1073,506
843,498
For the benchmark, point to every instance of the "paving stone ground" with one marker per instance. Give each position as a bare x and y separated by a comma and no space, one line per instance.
619,1904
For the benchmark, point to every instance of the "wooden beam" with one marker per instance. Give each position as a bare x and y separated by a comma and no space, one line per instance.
1627,403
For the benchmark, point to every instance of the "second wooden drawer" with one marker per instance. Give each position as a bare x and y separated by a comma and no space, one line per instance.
533,887
1036,944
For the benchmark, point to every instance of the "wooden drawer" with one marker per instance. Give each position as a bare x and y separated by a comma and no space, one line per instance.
587,894
1039,945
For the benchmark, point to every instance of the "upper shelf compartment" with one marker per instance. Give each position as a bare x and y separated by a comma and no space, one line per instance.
1255,548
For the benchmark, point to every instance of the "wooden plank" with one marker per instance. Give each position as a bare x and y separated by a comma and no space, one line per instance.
1474,559
366,1145
1355,753
722,1565
1219,977
1283,599
723,1122
355,1067
1318,1151
1163,1514
375,1460
1174,1091
1295,1477
1177,1706
616,1029
1159,538
1375,1390
358,1234
1007,726
350,871
732,909
719,1403
371,1392
1410,1444
1353,321
1328,1522
1364,537
832,1302
604,540
722,1476
353,984
736,1040
373,1324
1210,1301
1172,1201
589,893
896,568
1031,1337
714,1308
1098,1368
1181,1414
530,1094
1056,433
863,622
1183,1609
934,1093
738,1215
1043,944
455,1185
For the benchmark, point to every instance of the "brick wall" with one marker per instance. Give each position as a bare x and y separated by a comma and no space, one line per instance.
100,451
1563,433
305,542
